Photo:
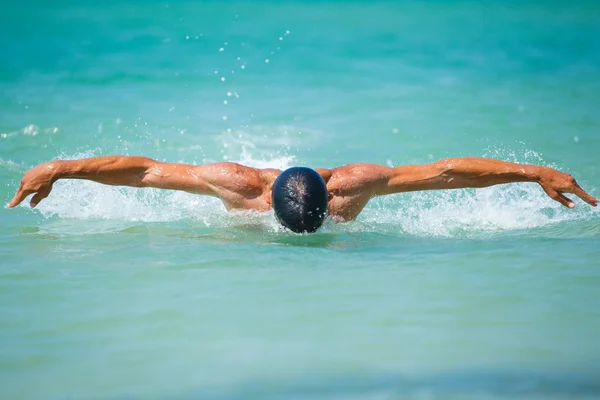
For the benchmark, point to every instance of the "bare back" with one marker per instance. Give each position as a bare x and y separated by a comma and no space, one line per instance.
351,187
244,188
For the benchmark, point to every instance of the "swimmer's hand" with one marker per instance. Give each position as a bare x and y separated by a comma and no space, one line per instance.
556,183
38,180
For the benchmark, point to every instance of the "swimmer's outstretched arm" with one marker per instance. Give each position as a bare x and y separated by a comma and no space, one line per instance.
211,179
474,172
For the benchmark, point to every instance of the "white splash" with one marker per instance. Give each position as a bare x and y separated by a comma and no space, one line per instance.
462,212
30,130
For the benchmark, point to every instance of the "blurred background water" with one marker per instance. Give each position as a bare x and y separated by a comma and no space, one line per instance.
127,293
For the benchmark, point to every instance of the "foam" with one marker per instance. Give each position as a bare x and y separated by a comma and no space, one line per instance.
468,211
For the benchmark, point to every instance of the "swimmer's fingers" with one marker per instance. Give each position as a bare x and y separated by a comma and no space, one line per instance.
19,196
561,198
555,183
583,195
40,195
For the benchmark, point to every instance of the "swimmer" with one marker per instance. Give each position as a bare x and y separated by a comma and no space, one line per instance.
300,197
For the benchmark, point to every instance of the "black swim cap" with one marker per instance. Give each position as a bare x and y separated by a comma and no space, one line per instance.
300,199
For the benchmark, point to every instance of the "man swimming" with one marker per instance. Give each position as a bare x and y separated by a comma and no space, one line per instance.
300,197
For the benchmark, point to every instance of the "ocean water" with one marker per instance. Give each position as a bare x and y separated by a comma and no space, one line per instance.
122,293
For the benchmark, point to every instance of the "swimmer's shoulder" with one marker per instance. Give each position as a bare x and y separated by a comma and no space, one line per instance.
325,173
268,175
359,169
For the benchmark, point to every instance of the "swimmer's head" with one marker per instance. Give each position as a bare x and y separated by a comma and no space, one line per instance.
299,198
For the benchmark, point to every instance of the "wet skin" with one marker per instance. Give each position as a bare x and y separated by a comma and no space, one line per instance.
350,186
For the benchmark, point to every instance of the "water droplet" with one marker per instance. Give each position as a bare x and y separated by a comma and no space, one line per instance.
229,94
267,61
576,139
224,117
243,67
225,102
187,38
395,130
221,49
222,79
280,38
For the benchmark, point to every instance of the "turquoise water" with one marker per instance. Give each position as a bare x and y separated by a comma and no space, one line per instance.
121,293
